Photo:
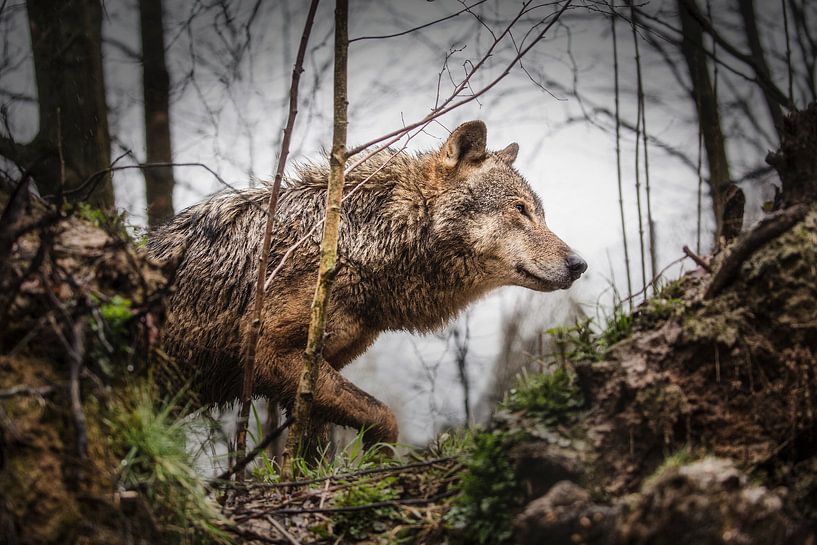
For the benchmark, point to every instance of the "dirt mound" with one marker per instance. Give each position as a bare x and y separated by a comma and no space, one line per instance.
722,363
79,307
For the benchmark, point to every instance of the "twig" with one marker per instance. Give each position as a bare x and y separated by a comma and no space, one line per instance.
354,474
618,161
254,536
24,390
242,463
638,127
280,527
655,279
770,227
366,507
449,104
77,354
426,25
697,259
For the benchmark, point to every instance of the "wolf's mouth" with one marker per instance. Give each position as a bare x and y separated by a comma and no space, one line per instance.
547,282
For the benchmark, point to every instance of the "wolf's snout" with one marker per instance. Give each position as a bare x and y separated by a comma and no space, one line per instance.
576,265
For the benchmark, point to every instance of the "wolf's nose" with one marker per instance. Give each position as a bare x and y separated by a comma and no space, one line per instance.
576,265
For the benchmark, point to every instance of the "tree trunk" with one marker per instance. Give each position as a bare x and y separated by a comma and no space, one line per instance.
159,181
795,161
747,13
303,438
66,40
706,105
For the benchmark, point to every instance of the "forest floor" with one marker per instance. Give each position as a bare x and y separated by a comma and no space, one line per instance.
690,420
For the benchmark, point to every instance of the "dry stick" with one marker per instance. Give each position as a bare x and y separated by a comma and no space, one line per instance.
637,165
252,341
643,109
283,531
769,228
365,507
618,162
301,429
701,262
420,27
77,354
257,449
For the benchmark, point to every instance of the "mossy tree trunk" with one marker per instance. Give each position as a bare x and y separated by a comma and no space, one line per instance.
304,430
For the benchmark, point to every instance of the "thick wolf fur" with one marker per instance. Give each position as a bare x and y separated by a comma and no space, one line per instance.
424,237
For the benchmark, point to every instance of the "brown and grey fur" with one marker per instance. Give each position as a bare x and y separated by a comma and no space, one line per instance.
427,235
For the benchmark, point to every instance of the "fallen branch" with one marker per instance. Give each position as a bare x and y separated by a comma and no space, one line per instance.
701,262
365,507
769,228
354,474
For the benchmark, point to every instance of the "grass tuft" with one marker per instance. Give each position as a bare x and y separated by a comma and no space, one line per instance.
157,465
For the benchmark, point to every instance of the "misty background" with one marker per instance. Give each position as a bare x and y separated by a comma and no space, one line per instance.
230,64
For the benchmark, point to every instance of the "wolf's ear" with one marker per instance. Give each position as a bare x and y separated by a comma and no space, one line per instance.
466,144
508,155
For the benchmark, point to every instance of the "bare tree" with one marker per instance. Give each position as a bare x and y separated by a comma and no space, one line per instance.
73,141
159,181
706,106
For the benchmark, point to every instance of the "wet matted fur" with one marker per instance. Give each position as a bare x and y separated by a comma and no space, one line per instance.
426,235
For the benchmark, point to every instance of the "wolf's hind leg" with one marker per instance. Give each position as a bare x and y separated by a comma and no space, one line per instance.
339,401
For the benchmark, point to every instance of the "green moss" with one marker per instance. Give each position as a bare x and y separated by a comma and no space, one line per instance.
677,459
360,524
550,396
489,492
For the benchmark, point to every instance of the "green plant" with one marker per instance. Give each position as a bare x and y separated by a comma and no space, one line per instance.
550,396
583,342
157,465
489,492
116,313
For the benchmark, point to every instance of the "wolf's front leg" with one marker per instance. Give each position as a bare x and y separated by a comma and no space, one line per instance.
339,401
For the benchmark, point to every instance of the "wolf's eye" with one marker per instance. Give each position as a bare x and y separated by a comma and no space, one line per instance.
522,209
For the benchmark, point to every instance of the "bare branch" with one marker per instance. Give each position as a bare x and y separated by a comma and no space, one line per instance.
426,25
449,104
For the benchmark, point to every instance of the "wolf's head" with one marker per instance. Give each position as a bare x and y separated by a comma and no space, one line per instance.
486,204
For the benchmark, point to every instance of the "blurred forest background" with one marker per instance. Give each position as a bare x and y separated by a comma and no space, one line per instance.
644,127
